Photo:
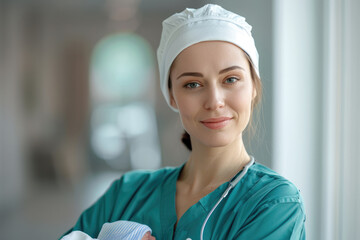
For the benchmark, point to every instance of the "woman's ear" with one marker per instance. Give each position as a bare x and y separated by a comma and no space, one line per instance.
254,93
172,100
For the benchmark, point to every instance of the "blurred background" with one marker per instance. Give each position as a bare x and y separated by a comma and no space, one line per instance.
74,73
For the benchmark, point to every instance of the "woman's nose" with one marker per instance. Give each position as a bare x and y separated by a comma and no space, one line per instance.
214,98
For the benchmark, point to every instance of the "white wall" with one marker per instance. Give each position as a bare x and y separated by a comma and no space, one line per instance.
297,102
351,179
341,181
316,110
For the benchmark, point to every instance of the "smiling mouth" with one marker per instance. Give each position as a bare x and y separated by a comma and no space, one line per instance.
216,123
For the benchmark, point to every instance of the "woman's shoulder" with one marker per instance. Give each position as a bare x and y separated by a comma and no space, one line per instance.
271,185
272,203
263,170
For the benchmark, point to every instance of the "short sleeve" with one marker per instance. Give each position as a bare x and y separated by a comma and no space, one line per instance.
280,218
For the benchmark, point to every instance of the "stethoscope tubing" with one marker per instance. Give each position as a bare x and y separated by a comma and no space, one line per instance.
232,184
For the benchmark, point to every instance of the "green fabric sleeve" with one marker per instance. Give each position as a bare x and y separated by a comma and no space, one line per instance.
282,218
92,219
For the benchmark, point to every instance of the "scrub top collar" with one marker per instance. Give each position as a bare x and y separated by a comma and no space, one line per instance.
168,211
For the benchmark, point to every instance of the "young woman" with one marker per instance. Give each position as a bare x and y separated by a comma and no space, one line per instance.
209,73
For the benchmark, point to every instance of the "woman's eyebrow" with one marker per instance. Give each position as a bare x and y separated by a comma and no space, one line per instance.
231,68
194,74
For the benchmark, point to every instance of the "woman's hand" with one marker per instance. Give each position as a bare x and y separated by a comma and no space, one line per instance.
148,236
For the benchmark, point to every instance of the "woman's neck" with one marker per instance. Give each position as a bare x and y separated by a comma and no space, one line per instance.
210,167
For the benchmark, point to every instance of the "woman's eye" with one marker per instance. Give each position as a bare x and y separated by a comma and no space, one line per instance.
231,80
192,85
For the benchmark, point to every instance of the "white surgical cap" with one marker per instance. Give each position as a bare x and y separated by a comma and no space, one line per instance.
208,23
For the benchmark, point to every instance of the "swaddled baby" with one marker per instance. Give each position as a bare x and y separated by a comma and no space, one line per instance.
119,230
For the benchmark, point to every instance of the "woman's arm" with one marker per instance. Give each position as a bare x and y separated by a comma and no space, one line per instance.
92,219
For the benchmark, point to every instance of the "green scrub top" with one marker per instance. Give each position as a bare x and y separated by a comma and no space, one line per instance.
263,205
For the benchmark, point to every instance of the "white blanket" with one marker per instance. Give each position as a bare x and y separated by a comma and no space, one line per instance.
119,230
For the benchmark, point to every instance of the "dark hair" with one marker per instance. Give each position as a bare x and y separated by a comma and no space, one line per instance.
186,140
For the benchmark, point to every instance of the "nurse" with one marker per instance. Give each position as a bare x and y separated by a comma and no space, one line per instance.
209,74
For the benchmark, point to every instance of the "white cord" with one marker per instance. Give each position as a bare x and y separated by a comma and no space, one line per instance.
231,185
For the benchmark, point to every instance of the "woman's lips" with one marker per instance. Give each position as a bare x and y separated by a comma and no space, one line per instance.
216,123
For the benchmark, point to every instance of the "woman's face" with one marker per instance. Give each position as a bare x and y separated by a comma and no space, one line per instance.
212,89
